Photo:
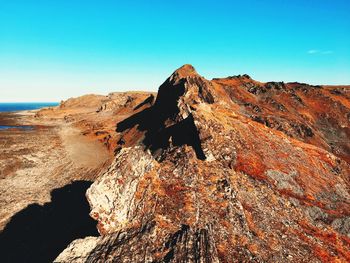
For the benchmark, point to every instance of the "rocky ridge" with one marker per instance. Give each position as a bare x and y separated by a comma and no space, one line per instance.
228,170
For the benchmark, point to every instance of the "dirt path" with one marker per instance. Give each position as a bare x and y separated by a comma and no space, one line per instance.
82,151
34,162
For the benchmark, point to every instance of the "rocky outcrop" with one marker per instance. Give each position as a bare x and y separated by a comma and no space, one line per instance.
195,179
96,115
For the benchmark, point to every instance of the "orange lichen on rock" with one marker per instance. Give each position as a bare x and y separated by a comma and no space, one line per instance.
251,164
334,248
228,170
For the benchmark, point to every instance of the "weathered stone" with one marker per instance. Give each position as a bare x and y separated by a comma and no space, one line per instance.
196,180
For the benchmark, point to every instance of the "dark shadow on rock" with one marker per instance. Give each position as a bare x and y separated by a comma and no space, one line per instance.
148,101
40,233
152,121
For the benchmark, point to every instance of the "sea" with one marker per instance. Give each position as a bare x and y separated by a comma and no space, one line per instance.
19,106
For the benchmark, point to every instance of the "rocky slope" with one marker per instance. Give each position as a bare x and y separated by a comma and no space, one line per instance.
228,170
46,170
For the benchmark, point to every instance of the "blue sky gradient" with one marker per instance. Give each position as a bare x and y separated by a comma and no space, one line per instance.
53,50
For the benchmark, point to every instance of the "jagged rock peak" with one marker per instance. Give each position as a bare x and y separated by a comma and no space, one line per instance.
185,80
185,71
171,119
225,171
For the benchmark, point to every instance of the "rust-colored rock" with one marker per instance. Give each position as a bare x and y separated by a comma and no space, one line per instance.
228,170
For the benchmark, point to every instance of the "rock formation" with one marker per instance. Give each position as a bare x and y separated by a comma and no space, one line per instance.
228,170
46,170
96,115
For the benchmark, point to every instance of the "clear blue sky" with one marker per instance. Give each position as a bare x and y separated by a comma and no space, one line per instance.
52,50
